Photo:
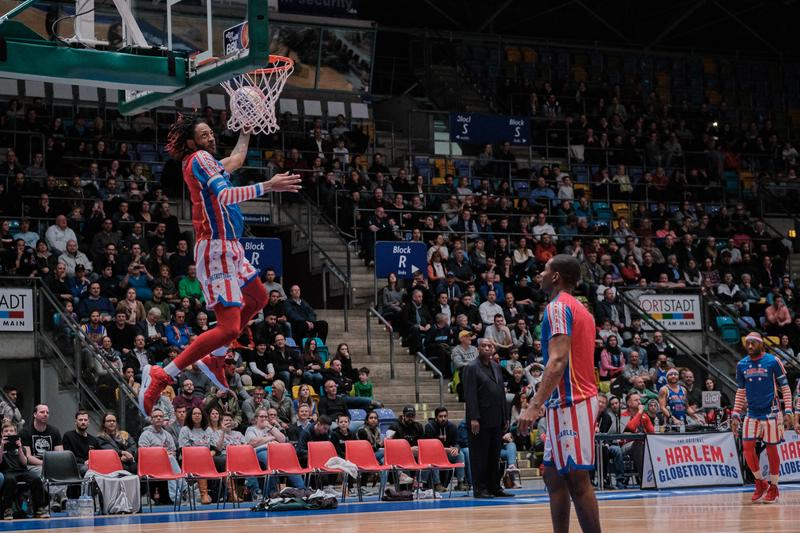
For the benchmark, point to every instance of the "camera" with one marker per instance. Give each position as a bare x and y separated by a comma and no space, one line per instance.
12,442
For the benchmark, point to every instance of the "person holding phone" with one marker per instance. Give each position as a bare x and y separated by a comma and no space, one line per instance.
14,467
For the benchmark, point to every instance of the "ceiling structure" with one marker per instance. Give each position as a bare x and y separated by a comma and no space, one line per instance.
748,27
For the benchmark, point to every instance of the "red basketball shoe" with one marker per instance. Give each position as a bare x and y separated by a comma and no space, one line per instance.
154,381
214,368
772,494
762,485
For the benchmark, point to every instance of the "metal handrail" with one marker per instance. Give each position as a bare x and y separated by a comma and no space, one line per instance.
328,263
75,328
422,358
389,328
719,374
719,307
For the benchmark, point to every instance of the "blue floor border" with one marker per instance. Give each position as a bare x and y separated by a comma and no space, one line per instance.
164,514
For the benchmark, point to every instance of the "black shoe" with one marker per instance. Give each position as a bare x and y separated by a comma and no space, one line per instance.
483,494
503,494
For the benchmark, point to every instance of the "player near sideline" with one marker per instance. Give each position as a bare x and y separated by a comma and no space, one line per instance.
230,284
759,377
568,394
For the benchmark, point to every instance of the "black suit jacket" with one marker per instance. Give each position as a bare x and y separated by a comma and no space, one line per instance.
485,394
141,329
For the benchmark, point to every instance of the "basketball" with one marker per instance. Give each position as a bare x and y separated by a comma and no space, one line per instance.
248,101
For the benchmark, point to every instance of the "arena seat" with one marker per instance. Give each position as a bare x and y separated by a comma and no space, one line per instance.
104,461
198,464
360,453
154,465
399,456
433,456
241,462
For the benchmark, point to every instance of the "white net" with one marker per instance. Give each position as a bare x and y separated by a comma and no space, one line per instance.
254,95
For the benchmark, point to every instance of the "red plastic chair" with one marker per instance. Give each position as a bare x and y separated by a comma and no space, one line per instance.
154,465
104,461
319,452
433,456
359,452
198,464
399,456
242,462
282,460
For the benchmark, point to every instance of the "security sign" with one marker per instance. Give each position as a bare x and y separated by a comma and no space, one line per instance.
264,253
403,258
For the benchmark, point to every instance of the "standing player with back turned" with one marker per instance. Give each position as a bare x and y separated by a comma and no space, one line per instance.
231,285
568,393
760,376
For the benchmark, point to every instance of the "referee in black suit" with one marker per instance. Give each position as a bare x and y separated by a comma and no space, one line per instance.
485,394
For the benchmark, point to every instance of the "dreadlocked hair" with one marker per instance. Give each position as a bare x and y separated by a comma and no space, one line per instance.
179,134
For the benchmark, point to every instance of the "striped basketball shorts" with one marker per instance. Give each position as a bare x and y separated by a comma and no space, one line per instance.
769,430
570,436
222,271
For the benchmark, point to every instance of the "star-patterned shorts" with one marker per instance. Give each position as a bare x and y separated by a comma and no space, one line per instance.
570,436
769,430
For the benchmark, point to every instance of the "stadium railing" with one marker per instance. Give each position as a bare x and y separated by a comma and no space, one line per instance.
372,312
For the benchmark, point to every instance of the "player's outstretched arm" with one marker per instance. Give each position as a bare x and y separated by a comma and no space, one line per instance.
285,182
238,154
228,195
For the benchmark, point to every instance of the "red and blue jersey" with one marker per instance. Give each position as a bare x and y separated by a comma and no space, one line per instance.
565,315
762,378
215,213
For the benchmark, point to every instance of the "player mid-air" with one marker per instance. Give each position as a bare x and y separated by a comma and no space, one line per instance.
568,393
759,377
231,285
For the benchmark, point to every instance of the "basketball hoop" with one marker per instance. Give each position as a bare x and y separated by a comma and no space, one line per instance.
254,95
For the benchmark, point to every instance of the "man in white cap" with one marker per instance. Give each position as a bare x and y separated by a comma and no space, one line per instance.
759,375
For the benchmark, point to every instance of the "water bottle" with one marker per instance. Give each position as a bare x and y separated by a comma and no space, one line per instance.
155,496
658,425
681,426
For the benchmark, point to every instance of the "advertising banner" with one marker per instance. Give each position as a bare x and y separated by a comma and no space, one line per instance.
675,460
789,452
16,309
673,311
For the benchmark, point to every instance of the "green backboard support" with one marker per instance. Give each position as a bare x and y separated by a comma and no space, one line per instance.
148,76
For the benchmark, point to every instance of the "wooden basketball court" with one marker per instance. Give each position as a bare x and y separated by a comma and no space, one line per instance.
717,510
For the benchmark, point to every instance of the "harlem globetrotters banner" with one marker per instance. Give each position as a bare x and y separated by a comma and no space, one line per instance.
789,453
690,460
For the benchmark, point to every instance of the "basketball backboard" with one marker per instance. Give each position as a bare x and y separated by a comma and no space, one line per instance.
153,51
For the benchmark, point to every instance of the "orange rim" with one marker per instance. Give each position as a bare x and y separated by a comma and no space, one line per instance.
279,63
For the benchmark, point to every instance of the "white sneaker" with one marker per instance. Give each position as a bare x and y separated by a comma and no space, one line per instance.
405,479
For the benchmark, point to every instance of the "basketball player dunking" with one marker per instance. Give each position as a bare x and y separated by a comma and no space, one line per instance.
230,283
568,394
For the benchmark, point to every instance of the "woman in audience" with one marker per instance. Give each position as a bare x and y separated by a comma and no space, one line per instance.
371,433
692,275
392,298
786,346
312,365
710,272
196,432
506,272
111,438
777,318
133,308
45,261
612,360
522,256
157,258
630,271
343,355
306,396
436,269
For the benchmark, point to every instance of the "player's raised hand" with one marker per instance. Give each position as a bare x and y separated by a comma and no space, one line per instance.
285,182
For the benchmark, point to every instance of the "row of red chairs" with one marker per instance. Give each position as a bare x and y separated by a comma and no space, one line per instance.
242,462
